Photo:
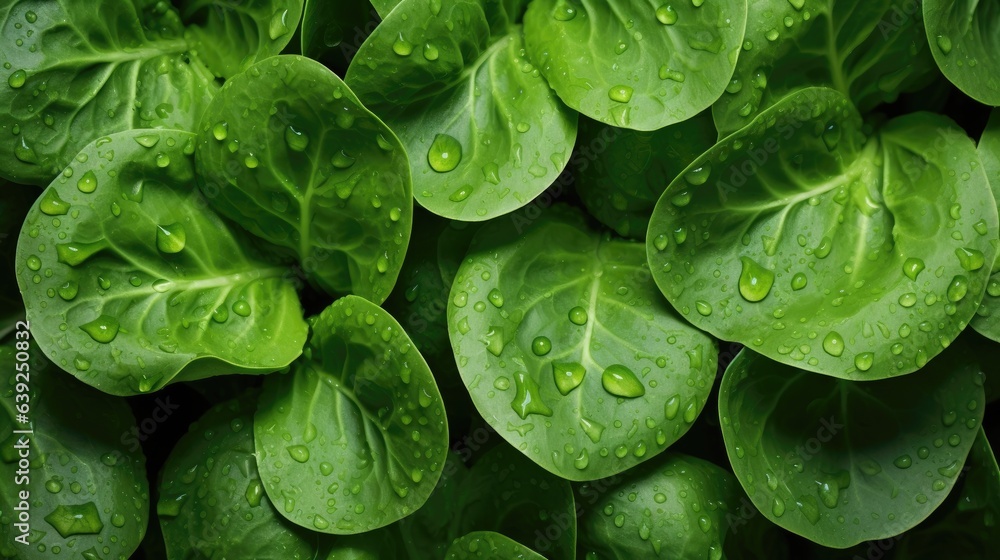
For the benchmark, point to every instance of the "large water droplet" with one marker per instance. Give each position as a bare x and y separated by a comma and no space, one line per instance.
171,238
527,399
833,344
568,376
970,259
87,183
297,140
666,15
755,280
52,205
444,154
104,329
541,345
73,254
81,519
620,93
621,382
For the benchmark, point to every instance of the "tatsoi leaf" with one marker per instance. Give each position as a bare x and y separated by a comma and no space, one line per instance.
356,437
824,457
636,64
621,173
672,507
869,50
230,36
532,507
484,132
132,283
965,40
88,492
987,320
73,74
569,351
860,260
212,501
15,201
486,545
287,151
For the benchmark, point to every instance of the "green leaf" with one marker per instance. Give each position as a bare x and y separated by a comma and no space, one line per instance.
621,173
86,482
484,132
841,462
806,242
305,166
356,437
212,502
74,73
967,529
673,507
869,50
965,37
384,6
987,319
230,36
132,283
504,492
486,545
14,205
633,63
569,351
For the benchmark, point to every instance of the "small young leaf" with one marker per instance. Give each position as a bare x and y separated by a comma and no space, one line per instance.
356,437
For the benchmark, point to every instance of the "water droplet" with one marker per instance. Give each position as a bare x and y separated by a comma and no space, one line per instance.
799,281
87,183
278,25
496,298
494,341
864,361
299,453
621,382
578,316
104,329
254,492
341,160
69,290
912,268
402,47
563,12
170,239
34,263
908,299
777,507
296,140
220,131
833,344
944,43
81,519
903,462
666,15
699,175
593,429
970,259
958,288
461,194
17,79
755,280
703,307
431,52
582,460
52,205
620,93
527,399
541,346
444,154
568,376
242,308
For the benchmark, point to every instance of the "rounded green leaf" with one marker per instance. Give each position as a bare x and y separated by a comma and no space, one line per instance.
869,50
965,38
621,173
287,151
230,36
212,502
636,64
806,242
73,73
987,319
486,545
132,283
674,507
484,132
356,437
840,462
569,351
88,494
